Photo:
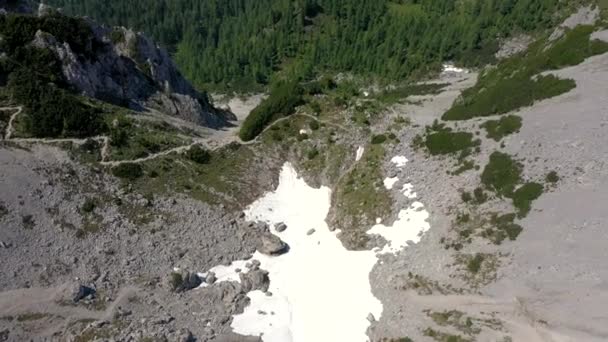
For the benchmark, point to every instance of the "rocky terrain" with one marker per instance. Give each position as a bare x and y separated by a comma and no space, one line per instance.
103,241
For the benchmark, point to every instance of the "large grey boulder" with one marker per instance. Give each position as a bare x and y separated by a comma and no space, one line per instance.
255,280
271,244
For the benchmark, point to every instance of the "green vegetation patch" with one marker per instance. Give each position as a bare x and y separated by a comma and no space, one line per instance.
525,195
400,93
449,142
516,82
283,99
198,155
35,79
506,125
129,171
502,174
360,196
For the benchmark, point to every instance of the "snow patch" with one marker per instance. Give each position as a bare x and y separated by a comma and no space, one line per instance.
360,151
321,291
451,68
408,191
399,161
390,182
409,227
227,273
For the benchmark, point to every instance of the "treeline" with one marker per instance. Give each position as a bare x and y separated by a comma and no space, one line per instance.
242,43
35,80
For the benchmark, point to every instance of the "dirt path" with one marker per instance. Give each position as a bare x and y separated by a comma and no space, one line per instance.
214,142
9,128
50,304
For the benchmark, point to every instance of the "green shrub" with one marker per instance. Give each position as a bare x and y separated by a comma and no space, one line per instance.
314,125
501,174
516,82
466,196
525,195
117,36
445,142
283,99
312,153
378,139
474,263
89,205
480,196
130,171
497,129
198,155
552,177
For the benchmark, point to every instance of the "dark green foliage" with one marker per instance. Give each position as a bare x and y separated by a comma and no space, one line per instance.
312,153
501,174
515,82
395,95
466,196
283,99
474,263
89,205
19,30
198,155
35,77
552,177
497,129
445,142
504,228
242,43
314,125
130,171
523,197
480,196
378,139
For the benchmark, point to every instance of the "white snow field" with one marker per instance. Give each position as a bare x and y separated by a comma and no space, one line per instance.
320,291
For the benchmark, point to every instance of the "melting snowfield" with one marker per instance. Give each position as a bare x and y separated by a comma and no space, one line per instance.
319,290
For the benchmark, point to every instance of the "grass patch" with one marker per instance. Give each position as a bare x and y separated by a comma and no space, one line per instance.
226,179
552,177
360,196
128,171
198,155
502,174
449,142
525,195
498,129
444,337
28,317
399,94
515,82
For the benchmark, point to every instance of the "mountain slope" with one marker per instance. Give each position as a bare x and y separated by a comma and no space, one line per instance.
241,44
114,65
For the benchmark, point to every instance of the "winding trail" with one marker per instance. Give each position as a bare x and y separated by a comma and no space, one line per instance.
210,143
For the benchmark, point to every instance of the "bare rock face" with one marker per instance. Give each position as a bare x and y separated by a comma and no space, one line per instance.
271,244
255,280
128,69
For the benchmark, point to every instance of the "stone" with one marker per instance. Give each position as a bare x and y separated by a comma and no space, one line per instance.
310,232
271,245
280,227
80,292
210,278
255,280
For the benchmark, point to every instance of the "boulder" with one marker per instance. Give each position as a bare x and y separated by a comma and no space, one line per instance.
280,227
81,292
255,280
271,244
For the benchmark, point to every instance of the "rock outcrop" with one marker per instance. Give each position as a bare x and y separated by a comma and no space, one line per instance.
126,68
